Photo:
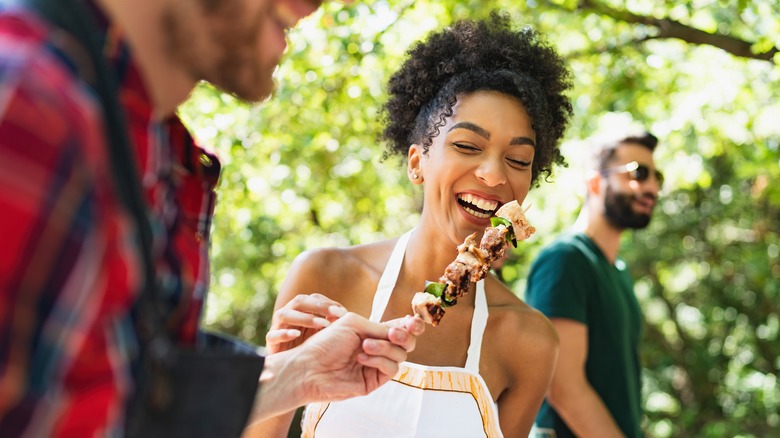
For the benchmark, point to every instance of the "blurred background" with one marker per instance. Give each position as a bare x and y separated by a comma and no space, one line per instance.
304,170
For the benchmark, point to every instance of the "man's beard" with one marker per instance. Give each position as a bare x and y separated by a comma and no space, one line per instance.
233,67
620,213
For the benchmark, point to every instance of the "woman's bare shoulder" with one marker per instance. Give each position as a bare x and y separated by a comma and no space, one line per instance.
336,272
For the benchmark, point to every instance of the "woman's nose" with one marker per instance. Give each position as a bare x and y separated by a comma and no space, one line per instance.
491,173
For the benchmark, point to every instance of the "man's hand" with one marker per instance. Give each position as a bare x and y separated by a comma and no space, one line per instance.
351,357
355,356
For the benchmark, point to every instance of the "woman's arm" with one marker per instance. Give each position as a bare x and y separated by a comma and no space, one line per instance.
308,302
297,316
530,359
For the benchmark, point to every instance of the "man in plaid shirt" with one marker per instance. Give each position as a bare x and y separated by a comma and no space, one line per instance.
70,269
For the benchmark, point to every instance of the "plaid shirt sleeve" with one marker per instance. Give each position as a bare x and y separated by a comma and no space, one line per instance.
69,267
65,275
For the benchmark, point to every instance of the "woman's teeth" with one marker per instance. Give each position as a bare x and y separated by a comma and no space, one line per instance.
476,213
481,208
482,204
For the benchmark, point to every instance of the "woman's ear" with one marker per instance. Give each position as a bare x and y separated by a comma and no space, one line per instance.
413,168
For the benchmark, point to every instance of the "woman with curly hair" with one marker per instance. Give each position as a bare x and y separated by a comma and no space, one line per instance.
478,109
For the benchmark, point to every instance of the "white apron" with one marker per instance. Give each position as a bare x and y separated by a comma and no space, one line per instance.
420,401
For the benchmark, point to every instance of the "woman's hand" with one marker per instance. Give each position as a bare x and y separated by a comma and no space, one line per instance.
299,319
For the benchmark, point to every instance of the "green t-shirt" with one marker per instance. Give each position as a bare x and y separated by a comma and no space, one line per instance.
572,279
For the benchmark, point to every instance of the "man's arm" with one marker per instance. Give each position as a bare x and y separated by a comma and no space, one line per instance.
570,393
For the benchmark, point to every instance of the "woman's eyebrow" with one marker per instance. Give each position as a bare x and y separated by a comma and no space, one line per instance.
482,132
522,141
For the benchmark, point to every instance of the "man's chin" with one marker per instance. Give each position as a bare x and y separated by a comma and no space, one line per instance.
254,94
639,221
255,98
632,221
251,91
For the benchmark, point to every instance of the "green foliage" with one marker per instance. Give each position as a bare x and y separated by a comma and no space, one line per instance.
303,170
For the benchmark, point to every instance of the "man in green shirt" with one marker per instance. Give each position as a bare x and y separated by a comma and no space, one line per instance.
581,284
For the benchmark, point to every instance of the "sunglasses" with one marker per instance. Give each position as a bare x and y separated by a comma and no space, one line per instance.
635,171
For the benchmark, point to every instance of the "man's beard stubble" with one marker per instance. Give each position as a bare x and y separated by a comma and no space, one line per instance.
229,61
620,213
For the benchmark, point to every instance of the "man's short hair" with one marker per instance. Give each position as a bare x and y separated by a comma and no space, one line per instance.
606,147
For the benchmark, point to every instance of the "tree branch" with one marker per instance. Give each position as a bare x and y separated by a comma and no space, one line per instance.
668,28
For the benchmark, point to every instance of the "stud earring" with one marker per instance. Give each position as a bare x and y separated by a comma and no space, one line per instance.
414,175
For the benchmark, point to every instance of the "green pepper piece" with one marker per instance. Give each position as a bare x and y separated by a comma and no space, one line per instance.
434,288
496,221
446,302
510,234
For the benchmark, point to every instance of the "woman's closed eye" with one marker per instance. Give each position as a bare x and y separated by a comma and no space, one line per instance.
518,163
466,148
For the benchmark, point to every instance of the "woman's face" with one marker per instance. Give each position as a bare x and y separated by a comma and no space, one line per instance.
480,160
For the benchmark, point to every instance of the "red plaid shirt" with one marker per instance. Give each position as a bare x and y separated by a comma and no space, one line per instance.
69,268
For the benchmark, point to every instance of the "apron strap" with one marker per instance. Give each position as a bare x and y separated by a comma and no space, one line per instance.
386,284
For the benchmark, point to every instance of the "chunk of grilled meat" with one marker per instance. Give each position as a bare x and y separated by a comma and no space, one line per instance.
473,262
428,307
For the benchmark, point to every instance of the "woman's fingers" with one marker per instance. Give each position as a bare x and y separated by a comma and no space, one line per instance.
301,317
320,305
308,311
311,310
293,318
281,336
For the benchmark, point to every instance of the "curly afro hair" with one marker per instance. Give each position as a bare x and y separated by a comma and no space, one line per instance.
475,56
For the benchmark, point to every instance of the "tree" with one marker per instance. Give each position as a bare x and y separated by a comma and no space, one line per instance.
304,170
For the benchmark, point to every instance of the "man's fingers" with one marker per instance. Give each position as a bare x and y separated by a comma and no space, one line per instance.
402,338
404,331
372,377
363,327
413,324
384,366
385,349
